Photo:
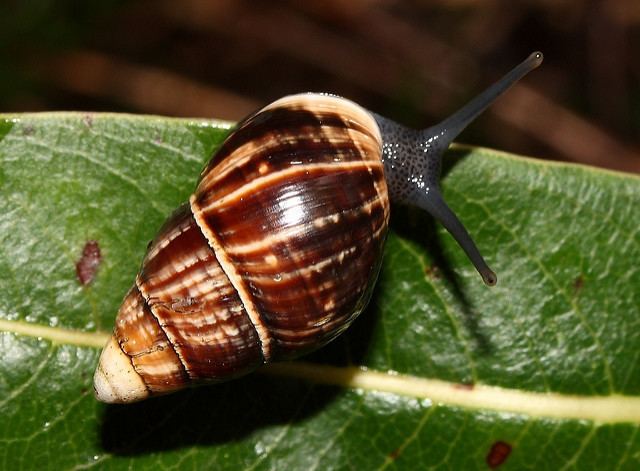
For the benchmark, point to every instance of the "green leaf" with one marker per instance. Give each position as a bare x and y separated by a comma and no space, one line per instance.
435,373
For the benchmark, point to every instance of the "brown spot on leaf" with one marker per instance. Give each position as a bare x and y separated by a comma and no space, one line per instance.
87,266
465,386
578,283
498,454
432,272
394,454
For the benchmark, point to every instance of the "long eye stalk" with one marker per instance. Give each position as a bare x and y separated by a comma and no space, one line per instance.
455,124
412,161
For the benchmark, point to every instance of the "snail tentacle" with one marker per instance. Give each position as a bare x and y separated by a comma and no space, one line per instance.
413,159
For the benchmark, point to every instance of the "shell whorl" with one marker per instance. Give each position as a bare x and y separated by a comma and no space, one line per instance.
275,255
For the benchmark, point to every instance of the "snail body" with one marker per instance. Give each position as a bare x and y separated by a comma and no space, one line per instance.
279,247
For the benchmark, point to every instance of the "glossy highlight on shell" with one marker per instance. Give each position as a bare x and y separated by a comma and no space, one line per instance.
274,256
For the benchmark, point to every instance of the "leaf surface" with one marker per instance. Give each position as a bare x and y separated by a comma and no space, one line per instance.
439,372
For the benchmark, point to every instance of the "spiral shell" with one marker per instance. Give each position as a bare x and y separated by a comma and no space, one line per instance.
275,254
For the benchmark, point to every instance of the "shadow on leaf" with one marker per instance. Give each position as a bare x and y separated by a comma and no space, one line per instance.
420,228
213,415
230,412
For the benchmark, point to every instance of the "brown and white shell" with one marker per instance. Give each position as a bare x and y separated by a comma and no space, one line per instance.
275,254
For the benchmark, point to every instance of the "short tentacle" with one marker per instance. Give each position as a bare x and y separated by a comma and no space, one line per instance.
435,205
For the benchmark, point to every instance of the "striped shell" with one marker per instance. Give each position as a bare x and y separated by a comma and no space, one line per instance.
275,254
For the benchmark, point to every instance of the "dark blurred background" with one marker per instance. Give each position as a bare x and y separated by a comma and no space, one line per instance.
414,61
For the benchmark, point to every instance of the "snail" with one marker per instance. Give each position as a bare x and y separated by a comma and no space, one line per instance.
279,247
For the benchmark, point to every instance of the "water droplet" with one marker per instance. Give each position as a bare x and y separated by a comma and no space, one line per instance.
53,321
96,457
277,277
46,425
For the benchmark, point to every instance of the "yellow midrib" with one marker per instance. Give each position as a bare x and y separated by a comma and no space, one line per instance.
599,409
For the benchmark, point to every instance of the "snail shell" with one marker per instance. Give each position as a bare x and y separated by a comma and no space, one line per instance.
280,245
274,256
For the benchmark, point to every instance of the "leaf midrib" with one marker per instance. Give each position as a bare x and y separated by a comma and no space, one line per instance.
599,409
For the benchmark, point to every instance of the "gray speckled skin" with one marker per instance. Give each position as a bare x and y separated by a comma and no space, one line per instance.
412,160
